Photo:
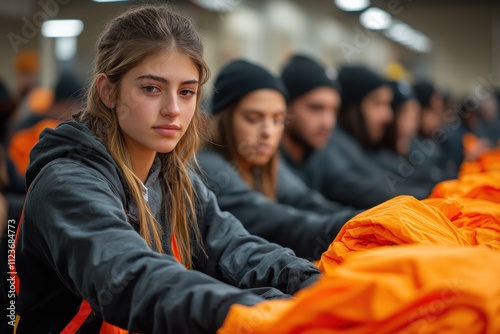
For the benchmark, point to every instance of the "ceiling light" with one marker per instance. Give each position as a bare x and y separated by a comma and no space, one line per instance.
62,28
218,5
404,34
352,5
375,19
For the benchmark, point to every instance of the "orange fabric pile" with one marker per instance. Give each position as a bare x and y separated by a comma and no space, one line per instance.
479,185
398,221
487,162
416,289
479,220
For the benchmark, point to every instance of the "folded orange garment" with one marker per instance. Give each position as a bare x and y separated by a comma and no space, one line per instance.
478,219
398,221
487,162
490,161
481,186
470,167
403,289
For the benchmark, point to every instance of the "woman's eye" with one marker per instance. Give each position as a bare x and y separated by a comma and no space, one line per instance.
151,89
252,119
187,92
279,120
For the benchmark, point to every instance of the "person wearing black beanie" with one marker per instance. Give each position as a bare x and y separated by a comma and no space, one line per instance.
392,156
365,110
406,110
441,145
249,106
312,108
365,117
432,107
239,163
340,170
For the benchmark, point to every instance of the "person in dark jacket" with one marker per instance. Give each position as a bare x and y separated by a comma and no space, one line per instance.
488,125
114,218
240,164
333,164
364,117
438,164
394,155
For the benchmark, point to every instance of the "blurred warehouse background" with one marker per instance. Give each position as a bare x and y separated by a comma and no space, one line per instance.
455,43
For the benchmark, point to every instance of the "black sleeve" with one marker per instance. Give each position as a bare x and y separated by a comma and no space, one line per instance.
81,231
293,191
308,234
350,184
244,260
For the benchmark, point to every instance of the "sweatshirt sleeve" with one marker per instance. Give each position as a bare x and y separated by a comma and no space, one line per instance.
294,192
76,225
349,183
244,260
307,233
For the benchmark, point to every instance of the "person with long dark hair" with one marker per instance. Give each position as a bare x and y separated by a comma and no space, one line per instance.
240,163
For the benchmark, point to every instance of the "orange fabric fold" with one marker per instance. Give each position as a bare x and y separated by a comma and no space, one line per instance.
480,186
479,220
401,220
403,289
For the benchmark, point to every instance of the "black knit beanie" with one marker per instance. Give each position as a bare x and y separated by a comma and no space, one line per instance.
357,82
402,93
424,91
302,74
238,78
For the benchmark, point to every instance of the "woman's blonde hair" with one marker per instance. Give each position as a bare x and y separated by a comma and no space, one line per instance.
127,41
221,139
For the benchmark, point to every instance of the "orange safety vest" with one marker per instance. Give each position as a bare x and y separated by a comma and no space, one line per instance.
85,309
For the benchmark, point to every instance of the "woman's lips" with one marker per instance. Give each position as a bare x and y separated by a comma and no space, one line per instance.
264,149
167,130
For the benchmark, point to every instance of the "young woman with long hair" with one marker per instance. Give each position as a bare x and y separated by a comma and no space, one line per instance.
113,206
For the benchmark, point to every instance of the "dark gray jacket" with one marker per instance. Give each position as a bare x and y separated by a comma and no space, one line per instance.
302,220
344,173
76,241
401,172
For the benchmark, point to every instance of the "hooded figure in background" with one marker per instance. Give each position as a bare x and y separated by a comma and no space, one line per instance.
488,125
394,154
364,119
240,164
435,140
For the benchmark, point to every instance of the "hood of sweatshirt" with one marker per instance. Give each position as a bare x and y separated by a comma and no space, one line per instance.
75,141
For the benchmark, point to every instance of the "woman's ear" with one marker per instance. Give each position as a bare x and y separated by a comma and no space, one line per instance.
105,90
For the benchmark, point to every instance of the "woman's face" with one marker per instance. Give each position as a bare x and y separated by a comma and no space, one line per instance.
258,122
157,101
407,124
376,109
